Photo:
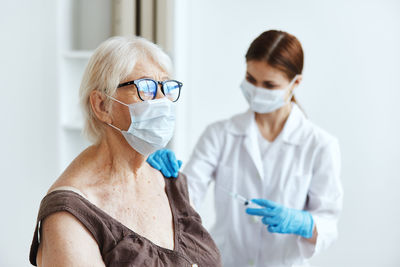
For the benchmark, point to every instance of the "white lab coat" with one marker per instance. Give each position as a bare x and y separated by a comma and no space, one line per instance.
300,170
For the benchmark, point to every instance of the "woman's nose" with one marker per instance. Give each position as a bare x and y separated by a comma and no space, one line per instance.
258,84
159,92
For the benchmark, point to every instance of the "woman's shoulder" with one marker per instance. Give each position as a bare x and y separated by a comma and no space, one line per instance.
319,136
179,186
318,140
179,193
70,200
305,130
77,174
236,124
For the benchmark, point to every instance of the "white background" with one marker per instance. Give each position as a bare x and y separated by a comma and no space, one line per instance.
351,89
28,113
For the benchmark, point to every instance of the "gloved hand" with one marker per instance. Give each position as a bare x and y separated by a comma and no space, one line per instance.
165,161
280,219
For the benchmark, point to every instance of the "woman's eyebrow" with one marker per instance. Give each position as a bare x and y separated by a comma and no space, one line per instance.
264,82
250,76
269,82
147,76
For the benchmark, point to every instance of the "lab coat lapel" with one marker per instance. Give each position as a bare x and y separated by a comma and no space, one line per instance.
296,128
253,149
295,131
245,125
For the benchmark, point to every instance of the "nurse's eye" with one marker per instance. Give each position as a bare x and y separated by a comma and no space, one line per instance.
269,85
251,80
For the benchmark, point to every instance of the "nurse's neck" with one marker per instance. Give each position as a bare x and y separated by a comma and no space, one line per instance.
271,124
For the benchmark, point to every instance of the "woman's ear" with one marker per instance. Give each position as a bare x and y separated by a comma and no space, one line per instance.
97,101
299,79
296,83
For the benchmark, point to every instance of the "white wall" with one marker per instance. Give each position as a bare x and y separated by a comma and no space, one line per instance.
28,154
350,88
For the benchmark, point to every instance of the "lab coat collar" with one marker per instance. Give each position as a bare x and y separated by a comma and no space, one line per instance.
296,128
294,132
245,124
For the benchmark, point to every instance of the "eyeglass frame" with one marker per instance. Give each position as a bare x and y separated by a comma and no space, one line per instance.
180,84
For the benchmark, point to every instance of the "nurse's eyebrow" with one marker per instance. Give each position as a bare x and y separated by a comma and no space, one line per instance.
250,77
266,83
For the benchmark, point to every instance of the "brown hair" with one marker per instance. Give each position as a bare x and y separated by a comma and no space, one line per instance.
280,50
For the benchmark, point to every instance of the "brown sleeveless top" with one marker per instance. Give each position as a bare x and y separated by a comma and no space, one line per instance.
120,246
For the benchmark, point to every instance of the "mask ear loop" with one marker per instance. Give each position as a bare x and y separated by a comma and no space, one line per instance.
116,128
117,100
290,85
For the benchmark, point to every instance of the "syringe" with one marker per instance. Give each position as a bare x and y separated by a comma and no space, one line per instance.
246,202
236,196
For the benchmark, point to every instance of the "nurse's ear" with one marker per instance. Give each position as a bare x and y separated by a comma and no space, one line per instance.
299,79
100,106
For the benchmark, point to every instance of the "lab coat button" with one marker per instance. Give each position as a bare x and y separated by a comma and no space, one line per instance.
251,263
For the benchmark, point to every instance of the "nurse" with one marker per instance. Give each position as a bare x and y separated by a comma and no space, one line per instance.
273,154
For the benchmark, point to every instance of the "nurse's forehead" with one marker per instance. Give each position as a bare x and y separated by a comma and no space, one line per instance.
263,72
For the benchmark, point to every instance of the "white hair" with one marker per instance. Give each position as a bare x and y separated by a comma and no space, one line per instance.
111,63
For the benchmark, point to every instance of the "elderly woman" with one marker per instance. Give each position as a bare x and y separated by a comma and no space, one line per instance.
109,207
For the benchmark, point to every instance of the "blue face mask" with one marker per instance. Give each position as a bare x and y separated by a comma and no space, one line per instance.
152,124
262,100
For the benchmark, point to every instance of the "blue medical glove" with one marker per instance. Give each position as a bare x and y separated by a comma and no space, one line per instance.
280,219
165,161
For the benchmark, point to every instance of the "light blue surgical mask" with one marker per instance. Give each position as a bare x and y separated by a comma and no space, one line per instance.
262,100
152,124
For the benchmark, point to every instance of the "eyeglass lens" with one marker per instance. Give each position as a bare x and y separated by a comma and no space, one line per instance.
171,90
148,89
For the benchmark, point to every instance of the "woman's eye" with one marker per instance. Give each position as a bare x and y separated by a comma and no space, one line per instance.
269,85
250,80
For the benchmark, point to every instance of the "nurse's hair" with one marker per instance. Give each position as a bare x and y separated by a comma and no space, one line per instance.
280,50
111,63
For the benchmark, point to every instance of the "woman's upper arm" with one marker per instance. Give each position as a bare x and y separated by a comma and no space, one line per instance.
66,242
204,160
326,182
325,196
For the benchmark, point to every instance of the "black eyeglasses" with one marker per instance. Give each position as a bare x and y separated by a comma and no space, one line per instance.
147,88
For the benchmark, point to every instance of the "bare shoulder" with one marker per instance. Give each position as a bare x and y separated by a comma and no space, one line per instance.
77,172
64,240
74,247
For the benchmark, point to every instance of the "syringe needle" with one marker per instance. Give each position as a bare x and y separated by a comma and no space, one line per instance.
236,196
242,198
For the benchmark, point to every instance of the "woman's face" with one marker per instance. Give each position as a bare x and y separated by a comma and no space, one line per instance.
260,74
128,94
